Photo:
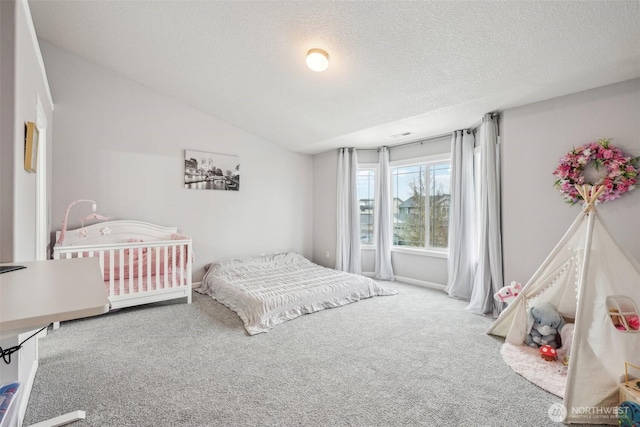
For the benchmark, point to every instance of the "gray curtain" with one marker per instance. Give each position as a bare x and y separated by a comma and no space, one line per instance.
382,230
488,278
348,221
463,244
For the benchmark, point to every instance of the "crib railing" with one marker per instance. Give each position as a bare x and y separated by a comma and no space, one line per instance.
138,268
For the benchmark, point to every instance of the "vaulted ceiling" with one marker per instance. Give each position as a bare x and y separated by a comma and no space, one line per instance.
424,67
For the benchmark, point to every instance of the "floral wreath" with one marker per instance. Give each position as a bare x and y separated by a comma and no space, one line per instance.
621,176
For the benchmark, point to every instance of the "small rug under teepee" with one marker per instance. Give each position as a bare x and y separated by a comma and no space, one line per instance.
526,361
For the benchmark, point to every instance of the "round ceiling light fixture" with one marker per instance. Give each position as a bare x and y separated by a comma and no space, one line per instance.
317,60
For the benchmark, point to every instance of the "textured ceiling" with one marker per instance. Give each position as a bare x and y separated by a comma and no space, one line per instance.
425,67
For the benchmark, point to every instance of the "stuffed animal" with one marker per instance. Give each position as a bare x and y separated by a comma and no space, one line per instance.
508,293
543,324
548,353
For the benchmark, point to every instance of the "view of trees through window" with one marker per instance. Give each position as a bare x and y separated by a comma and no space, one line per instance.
408,188
420,204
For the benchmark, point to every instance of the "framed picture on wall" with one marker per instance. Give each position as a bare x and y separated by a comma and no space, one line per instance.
30,146
211,171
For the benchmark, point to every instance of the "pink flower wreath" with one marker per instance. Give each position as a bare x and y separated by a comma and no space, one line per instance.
621,176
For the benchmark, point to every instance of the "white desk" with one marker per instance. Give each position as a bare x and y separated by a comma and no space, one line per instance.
47,292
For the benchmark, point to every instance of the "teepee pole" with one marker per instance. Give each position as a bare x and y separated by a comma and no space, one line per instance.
590,196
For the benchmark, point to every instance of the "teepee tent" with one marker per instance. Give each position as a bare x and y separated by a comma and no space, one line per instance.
586,275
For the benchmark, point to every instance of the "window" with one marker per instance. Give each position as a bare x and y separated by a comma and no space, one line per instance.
421,203
366,196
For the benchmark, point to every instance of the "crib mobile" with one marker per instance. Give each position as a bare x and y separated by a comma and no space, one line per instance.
82,232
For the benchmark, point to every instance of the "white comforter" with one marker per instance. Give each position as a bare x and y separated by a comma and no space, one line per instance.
267,291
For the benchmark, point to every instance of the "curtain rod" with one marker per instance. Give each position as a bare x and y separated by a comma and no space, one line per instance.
419,141
470,129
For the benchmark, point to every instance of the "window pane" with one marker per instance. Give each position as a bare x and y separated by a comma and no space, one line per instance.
439,178
366,188
409,192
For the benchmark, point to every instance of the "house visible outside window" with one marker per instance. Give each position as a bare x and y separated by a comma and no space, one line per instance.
366,195
420,204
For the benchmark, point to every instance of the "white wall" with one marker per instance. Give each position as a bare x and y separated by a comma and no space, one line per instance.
325,170
122,145
31,84
534,137
22,81
7,118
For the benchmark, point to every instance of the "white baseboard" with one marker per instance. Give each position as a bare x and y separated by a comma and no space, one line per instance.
196,285
422,283
410,281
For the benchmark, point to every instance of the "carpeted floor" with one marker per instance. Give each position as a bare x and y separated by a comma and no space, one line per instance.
413,359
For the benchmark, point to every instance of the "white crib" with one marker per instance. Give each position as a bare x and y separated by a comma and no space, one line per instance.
141,262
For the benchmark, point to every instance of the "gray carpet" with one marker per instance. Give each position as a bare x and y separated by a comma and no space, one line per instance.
413,359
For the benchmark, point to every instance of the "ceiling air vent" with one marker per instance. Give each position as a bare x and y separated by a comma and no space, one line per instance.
398,135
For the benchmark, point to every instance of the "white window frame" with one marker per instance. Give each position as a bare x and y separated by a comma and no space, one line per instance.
376,176
424,160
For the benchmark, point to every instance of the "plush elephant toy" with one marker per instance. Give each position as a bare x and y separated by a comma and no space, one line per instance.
543,324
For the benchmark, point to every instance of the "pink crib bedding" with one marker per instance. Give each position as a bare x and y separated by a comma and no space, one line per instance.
141,259
136,285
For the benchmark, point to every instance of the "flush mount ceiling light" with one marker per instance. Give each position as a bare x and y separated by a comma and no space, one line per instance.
317,59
